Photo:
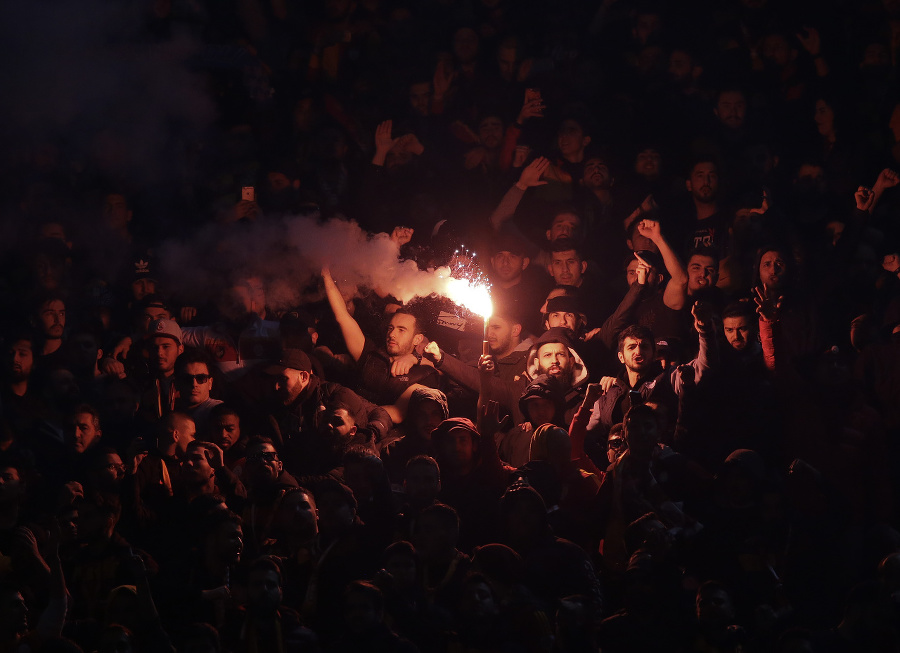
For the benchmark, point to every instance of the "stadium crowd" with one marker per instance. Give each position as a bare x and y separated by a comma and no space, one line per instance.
678,430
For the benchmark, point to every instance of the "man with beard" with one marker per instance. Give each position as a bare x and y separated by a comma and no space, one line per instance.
551,355
50,318
389,373
298,397
21,407
163,345
507,343
712,224
642,380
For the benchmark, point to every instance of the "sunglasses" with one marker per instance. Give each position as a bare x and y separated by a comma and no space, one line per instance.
616,443
200,379
267,456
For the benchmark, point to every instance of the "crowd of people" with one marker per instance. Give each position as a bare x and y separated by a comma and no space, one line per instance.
678,429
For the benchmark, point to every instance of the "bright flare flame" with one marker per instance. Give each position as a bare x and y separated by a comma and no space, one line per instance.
473,296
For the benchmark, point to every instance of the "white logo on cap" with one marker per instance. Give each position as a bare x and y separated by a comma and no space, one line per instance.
141,266
160,326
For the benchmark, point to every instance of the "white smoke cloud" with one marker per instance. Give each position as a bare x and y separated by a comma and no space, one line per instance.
289,255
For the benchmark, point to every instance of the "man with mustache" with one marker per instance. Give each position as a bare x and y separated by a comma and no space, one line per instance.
644,380
712,223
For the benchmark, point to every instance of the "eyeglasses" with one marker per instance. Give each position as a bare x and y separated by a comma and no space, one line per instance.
200,379
116,467
616,443
267,456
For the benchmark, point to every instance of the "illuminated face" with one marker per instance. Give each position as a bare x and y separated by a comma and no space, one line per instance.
21,359
195,467
289,383
704,182
631,274
596,175
772,269
564,225
702,273
508,267
194,384
53,319
263,463
554,359
340,425
567,268
731,109
401,335
563,319
738,332
500,334
637,354
163,351
226,430
83,432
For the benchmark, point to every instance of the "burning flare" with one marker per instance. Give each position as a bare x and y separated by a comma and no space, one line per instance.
472,295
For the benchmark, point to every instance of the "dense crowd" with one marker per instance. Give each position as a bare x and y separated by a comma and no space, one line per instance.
678,429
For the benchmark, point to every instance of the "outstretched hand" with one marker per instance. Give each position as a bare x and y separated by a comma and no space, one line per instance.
532,173
767,304
489,422
383,140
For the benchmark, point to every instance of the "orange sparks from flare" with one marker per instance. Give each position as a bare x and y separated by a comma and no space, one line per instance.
474,296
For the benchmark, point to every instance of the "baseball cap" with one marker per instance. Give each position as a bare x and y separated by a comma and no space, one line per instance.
164,327
294,359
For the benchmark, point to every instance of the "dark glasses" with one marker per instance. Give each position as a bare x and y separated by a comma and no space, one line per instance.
197,378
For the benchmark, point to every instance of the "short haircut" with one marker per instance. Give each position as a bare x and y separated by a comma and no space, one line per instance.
407,310
46,298
192,355
258,440
636,332
702,159
566,245
221,410
740,309
704,251
87,409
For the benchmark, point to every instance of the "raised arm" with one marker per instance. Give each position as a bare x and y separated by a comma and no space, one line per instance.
353,335
708,355
676,289
530,177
